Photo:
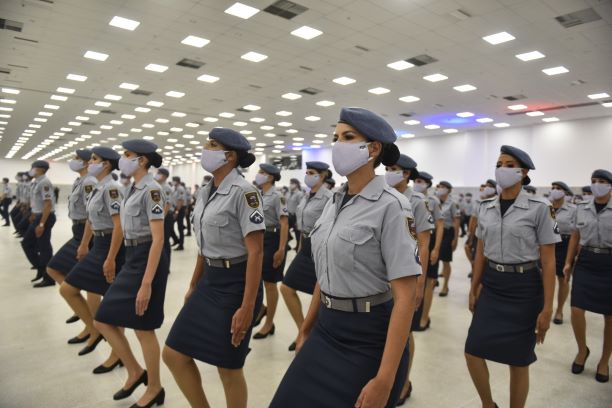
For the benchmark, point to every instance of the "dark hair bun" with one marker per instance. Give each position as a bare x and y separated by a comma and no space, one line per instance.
114,164
329,174
277,177
390,154
246,159
155,159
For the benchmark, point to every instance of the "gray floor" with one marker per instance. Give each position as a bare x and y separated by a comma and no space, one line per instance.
37,367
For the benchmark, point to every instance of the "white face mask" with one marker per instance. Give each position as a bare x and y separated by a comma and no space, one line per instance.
600,189
441,191
311,180
157,177
393,178
488,191
128,166
211,160
508,176
420,187
76,165
32,173
261,179
348,157
95,169
556,194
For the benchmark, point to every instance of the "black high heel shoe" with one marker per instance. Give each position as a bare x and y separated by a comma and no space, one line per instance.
579,368
263,312
78,340
72,319
259,336
158,400
602,378
403,399
122,394
89,348
102,369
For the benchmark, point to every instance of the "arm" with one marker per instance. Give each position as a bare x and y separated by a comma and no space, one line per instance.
547,256
310,319
43,219
572,251
439,234
109,266
423,243
471,229
144,293
83,248
478,271
279,255
457,227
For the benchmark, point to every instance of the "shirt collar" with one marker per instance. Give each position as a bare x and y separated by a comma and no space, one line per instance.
146,180
521,201
372,191
227,182
106,179
271,191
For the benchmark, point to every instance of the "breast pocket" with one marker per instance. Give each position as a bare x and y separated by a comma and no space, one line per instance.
523,239
213,228
354,246
132,219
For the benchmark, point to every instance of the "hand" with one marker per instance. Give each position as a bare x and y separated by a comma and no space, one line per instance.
278,258
108,267
142,299
299,342
241,322
433,257
375,394
82,251
189,293
454,244
542,325
567,272
473,299
39,231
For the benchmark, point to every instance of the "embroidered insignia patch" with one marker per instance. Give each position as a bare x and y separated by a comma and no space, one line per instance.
411,226
427,205
252,199
88,189
157,209
115,205
46,188
430,219
256,217
113,193
552,212
156,196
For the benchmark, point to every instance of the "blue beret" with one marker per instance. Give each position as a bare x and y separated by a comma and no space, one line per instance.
531,189
368,124
604,174
42,164
139,146
491,182
317,165
84,154
446,184
330,181
521,156
586,189
270,169
229,138
562,185
105,153
163,171
407,163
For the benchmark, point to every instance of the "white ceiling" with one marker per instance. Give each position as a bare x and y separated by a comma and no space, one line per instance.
390,29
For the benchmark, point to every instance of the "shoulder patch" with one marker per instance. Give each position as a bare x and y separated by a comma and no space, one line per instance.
252,199
256,217
155,195
283,200
113,193
157,209
552,212
411,227
88,189
46,188
115,205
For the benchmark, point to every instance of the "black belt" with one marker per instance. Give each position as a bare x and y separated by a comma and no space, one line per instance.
102,233
137,241
359,305
607,251
518,268
79,222
272,229
565,236
225,263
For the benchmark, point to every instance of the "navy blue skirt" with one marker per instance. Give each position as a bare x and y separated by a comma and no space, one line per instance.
118,307
560,254
432,268
202,329
504,320
301,274
268,272
446,248
341,355
65,259
87,274
592,284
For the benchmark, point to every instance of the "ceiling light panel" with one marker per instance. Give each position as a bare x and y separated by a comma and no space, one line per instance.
498,38
124,23
344,81
195,41
307,33
435,77
130,86
241,10
94,55
555,70
254,56
400,65
530,56
76,77
156,68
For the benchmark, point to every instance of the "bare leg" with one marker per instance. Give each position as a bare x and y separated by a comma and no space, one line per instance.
519,386
272,302
427,300
235,387
56,275
579,326
150,351
480,377
561,296
80,307
187,377
293,304
602,366
121,347
446,273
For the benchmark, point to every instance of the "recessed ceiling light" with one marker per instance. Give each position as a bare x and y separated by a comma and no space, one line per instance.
43,120
11,91
76,77
127,85
103,104
266,127
326,104
318,141
291,96
195,41
5,109
240,123
400,65
208,78
312,118
498,38
188,124
484,120
284,124
74,123
284,113
112,97
530,56
535,113
65,90
95,132
156,104
210,119
127,116
116,122
292,131
517,107
162,120
125,23
55,98
136,130
156,68
251,108
598,95
98,56
432,127
379,91
178,114
163,133
435,77
555,70
241,10
257,120
450,131
344,80
607,104
227,115
254,56
175,94
307,33
465,88
45,114
501,124
409,99
550,119
106,127
412,122
465,114
53,107
91,111
142,109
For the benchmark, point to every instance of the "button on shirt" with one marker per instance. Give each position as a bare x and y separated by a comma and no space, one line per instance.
274,207
423,219
565,216
294,199
42,190
104,202
516,237
450,211
361,246
144,203
223,219
310,208
77,200
595,228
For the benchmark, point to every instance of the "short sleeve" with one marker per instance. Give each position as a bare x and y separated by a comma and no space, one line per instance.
88,186
281,207
479,228
250,211
456,210
397,233
46,190
112,200
154,202
424,220
572,220
547,230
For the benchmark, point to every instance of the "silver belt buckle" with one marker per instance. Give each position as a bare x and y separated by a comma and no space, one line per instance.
327,302
226,263
500,268
207,261
596,250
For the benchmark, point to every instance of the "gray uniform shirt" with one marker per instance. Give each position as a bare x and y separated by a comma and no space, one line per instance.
435,208
168,193
104,202
6,191
360,247
310,208
223,219
143,203
294,199
595,228
274,207
77,200
42,190
565,216
516,237
450,211
423,219
179,194
468,207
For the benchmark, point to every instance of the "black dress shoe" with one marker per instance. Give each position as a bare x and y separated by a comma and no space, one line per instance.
403,399
423,328
72,319
102,369
89,348
37,277
556,320
262,314
602,378
579,368
78,340
292,346
33,268
179,248
259,336
122,394
444,294
158,400
44,283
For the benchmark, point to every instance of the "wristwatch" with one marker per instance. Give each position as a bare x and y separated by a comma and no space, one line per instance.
41,225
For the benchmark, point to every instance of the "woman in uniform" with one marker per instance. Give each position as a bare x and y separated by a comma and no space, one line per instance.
275,242
225,292
294,197
592,271
352,347
512,309
487,190
162,178
301,273
95,269
135,300
564,215
452,216
398,176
